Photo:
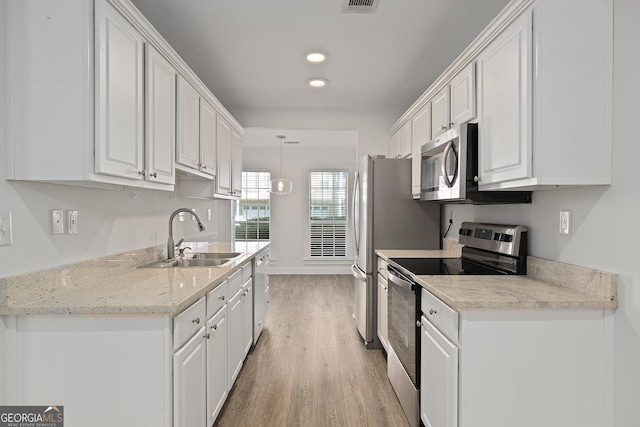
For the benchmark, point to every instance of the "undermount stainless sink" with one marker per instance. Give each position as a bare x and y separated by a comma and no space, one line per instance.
200,259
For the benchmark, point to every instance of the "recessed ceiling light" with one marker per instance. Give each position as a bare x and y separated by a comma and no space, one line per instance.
317,83
316,57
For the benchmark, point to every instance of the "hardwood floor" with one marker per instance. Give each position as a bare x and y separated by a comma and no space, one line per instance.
310,367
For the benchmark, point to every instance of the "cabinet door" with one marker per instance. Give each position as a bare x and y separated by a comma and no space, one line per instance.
223,150
236,337
420,134
189,383
463,95
504,105
120,95
247,323
207,138
440,112
438,378
236,165
383,323
217,348
188,135
160,117
405,140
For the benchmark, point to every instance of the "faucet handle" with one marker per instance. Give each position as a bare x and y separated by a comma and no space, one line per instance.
180,242
181,251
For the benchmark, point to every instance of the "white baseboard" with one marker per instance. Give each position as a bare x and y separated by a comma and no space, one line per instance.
310,269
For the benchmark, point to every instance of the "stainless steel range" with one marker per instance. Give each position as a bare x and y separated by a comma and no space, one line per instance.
490,249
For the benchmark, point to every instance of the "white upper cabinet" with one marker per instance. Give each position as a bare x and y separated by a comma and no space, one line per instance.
440,112
120,95
160,117
504,131
463,96
540,92
116,80
400,144
196,143
421,134
188,141
229,158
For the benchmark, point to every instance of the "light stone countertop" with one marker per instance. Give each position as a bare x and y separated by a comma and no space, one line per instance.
548,284
114,284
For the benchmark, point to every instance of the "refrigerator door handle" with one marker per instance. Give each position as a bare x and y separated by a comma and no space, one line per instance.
356,212
357,273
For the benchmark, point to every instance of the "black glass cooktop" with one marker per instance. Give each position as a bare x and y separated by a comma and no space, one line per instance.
443,266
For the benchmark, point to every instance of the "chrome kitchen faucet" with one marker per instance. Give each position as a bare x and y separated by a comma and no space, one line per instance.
171,248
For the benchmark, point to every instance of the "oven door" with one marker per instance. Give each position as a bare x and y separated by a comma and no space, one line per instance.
440,168
403,304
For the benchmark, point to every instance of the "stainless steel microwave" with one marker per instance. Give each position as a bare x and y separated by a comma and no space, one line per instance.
449,170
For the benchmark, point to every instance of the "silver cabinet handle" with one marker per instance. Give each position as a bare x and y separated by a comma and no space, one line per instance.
418,323
432,312
221,298
450,124
476,179
204,166
196,321
214,327
142,172
443,127
153,175
207,336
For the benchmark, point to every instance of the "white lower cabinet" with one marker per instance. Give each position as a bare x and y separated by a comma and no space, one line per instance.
505,368
236,342
247,318
189,383
439,378
217,348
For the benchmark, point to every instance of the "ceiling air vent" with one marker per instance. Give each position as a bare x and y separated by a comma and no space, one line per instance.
359,6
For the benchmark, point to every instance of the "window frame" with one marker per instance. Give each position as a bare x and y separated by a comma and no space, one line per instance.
347,170
245,194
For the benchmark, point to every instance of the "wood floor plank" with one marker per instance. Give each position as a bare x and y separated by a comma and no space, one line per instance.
310,366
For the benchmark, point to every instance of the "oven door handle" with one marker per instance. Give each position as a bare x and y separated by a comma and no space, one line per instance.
400,281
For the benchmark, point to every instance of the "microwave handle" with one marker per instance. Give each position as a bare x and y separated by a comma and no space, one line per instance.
445,173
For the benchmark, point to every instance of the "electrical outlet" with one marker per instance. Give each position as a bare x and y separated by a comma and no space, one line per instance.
565,222
209,214
180,216
57,221
6,230
193,218
72,222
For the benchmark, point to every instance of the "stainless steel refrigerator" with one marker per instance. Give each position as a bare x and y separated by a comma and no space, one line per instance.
385,217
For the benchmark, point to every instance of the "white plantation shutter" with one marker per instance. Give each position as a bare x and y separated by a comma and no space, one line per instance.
328,214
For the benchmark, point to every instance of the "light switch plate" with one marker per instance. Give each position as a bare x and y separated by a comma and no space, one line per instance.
72,222
6,230
57,221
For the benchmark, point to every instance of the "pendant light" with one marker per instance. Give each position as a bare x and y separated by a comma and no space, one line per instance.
280,186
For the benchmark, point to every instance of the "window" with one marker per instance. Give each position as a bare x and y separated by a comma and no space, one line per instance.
328,214
253,210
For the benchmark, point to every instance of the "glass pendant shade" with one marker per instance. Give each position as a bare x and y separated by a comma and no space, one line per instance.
280,186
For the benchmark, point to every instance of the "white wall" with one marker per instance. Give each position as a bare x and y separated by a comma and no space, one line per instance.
290,213
605,231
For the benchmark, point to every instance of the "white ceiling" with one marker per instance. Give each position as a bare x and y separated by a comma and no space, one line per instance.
250,53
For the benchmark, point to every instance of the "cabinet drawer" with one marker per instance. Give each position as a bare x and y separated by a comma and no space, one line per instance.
382,268
246,272
217,298
235,282
440,315
188,322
